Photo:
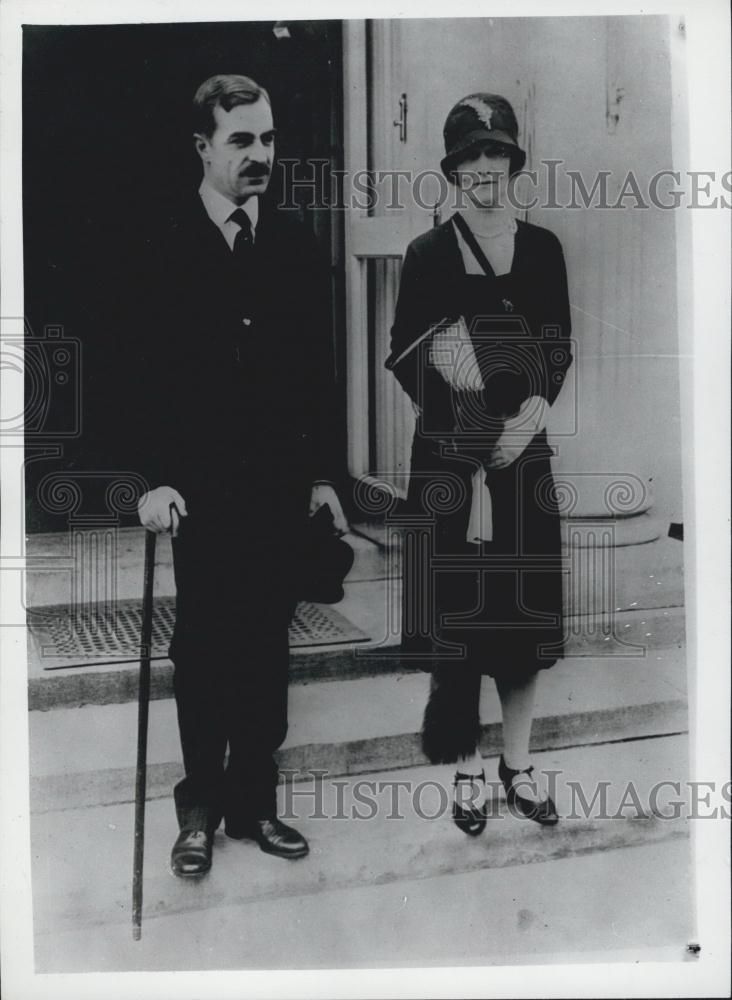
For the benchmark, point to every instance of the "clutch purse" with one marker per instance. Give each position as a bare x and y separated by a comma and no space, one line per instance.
452,396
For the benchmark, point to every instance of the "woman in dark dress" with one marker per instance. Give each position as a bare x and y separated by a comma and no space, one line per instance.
480,343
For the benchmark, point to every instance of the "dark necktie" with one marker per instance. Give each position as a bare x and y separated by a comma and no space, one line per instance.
243,253
244,240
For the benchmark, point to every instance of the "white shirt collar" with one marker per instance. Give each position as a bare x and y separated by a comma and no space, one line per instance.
219,209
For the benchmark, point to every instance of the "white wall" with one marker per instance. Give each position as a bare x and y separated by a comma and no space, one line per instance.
562,76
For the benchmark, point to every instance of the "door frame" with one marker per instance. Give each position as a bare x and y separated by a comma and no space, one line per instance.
366,235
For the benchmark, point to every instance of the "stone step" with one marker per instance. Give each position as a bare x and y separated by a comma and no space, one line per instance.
570,906
361,835
647,565
86,756
645,633
649,574
636,529
53,558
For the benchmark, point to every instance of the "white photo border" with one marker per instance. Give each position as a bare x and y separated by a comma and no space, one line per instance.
706,429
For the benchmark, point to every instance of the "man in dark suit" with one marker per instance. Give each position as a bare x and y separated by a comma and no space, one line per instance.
236,367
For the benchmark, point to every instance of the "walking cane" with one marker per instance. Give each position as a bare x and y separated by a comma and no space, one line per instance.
143,703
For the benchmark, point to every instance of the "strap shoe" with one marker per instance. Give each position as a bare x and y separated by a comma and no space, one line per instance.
470,819
543,812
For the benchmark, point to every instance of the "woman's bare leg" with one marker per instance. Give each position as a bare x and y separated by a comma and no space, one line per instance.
518,699
517,706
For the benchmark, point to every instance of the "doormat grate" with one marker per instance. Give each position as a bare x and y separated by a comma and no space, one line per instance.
100,633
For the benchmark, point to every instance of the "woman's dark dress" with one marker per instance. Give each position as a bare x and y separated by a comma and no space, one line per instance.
493,608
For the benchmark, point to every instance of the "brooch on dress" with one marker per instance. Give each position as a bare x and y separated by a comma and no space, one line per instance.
507,305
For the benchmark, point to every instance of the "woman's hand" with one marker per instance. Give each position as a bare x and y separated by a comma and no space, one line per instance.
518,432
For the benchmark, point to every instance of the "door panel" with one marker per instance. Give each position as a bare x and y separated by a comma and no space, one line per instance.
621,265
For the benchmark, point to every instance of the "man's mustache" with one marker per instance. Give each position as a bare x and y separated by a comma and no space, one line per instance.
255,172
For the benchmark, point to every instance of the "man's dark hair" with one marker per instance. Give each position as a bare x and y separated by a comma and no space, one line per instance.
225,91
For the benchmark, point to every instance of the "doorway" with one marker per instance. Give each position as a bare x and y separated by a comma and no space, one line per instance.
106,145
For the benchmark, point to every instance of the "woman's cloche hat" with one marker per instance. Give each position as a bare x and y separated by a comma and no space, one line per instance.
476,119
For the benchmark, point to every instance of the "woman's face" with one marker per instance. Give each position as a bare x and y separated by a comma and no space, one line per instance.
484,177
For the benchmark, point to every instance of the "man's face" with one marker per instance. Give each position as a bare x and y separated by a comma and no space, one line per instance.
238,157
484,176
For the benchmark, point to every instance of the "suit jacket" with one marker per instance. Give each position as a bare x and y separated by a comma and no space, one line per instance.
236,397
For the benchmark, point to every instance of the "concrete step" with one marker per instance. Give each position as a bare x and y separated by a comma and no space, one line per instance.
572,909
86,756
361,836
374,606
641,633
645,567
637,577
54,559
635,529
648,575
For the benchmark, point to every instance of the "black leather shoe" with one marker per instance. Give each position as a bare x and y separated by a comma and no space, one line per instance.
191,854
542,812
470,820
272,835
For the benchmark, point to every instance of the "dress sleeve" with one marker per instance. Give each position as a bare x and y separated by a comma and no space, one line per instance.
410,321
416,311
557,327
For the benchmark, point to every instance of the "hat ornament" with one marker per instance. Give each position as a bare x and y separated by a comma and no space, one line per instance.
483,111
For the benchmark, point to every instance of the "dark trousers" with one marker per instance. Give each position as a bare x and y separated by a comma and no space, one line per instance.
231,658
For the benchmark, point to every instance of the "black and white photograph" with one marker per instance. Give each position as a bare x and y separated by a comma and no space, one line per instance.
365,500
